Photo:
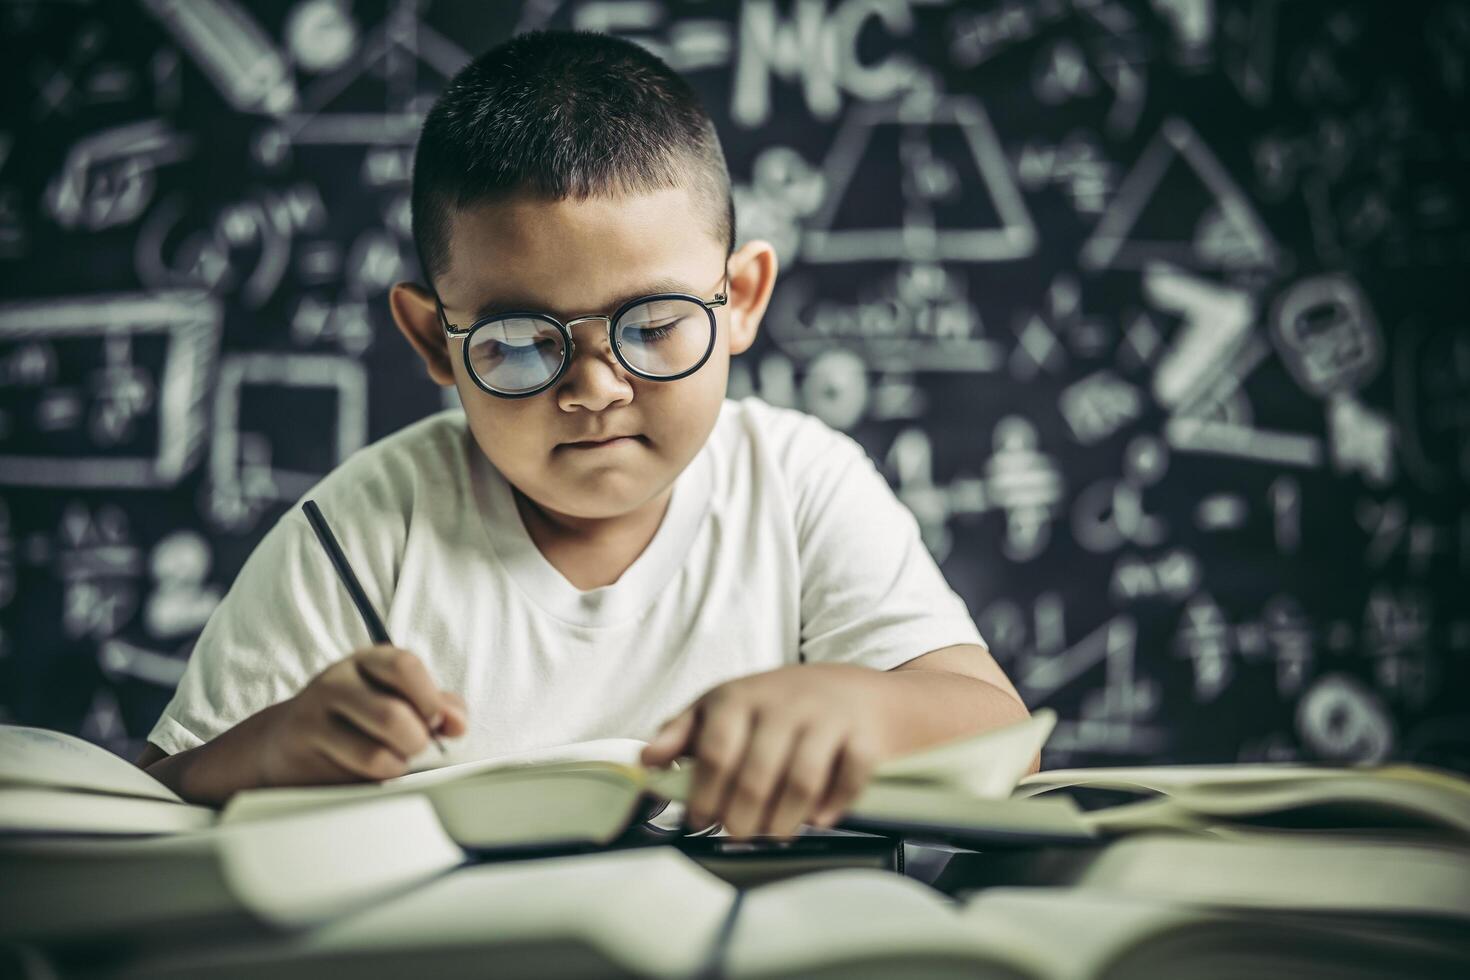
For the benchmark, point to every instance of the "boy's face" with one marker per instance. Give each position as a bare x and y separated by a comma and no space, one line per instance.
570,259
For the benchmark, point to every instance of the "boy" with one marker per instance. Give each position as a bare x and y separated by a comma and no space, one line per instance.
726,579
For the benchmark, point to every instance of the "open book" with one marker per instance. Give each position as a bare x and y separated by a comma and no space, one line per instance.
581,793
51,782
256,878
585,793
653,912
1220,799
958,790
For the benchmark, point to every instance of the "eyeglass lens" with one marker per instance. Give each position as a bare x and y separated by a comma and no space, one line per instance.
661,338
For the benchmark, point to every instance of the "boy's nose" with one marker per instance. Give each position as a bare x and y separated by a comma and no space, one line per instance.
595,377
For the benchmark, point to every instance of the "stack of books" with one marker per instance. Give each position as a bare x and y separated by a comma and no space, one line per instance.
563,863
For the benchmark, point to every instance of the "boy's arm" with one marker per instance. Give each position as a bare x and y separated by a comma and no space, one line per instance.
948,693
362,718
211,773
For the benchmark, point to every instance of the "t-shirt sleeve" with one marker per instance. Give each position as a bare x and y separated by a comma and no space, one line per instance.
284,619
871,593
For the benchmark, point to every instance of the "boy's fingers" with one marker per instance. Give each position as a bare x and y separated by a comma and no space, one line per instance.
454,721
854,765
808,775
402,673
386,718
754,784
670,741
719,745
357,756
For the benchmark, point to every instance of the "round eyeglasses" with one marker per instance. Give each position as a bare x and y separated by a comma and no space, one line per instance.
662,337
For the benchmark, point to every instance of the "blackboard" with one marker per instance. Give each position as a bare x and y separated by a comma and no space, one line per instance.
1154,314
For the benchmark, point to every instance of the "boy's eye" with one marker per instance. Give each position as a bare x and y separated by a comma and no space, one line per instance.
645,333
508,350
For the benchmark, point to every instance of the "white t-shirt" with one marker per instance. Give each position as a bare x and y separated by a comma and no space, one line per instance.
781,543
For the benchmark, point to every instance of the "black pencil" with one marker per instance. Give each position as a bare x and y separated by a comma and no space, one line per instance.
349,581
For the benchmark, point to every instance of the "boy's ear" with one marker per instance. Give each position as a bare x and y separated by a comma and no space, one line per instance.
417,317
752,277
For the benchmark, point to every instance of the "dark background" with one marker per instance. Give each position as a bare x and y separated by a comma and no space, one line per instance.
1155,314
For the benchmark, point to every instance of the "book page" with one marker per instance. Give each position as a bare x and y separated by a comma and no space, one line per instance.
652,910
253,803
649,911
41,757
531,805
1444,804
556,803
45,809
299,869
623,750
1163,779
1155,813
948,812
1355,798
1289,872
1068,932
986,765
847,916
286,872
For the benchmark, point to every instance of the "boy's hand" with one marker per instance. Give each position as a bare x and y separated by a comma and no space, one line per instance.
359,719
777,749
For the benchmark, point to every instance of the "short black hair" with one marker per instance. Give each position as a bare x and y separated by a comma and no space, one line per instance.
558,115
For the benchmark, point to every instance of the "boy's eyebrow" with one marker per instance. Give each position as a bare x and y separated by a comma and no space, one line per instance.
665,284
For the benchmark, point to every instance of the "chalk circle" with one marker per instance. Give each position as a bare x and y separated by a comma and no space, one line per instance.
321,35
1343,720
835,388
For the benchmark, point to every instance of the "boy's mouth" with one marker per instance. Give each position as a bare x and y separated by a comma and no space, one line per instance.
609,443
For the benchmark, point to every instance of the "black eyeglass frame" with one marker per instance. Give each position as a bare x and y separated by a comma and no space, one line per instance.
570,350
